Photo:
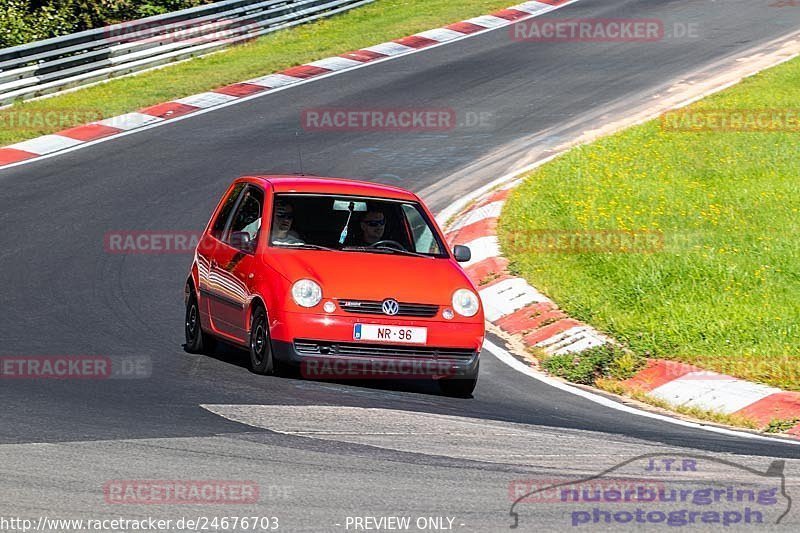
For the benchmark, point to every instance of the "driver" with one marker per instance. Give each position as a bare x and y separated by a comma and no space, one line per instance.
373,225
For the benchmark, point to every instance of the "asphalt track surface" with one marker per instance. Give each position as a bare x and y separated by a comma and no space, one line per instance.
64,295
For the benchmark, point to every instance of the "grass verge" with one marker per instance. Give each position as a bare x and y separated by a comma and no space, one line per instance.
588,366
365,26
606,367
615,387
712,276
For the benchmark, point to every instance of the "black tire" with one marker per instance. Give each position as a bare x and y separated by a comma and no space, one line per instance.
462,387
261,359
196,340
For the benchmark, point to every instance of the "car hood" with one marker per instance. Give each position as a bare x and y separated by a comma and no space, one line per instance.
372,276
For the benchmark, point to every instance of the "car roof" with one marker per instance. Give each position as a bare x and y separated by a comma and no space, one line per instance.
326,185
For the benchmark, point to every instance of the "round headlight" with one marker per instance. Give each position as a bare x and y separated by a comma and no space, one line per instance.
306,293
465,302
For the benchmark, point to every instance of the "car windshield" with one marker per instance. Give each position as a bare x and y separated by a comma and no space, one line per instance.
353,224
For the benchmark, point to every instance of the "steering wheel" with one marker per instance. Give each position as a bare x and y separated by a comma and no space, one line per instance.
389,244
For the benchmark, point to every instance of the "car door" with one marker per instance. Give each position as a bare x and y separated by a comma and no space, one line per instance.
233,269
209,247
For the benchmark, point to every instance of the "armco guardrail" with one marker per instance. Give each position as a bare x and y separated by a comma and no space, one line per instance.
53,65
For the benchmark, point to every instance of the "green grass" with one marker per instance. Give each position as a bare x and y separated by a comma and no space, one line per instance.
724,290
365,26
780,426
596,363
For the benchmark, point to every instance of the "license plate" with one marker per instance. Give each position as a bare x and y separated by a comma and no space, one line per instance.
396,334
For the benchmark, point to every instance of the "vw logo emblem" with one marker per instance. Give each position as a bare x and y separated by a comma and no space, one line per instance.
390,307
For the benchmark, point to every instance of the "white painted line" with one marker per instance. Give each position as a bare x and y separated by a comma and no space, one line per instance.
390,49
507,296
721,394
489,21
491,210
482,248
129,121
275,80
336,63
206,100
46,144
441,35
519,366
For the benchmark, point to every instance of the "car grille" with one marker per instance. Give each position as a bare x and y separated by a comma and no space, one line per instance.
349,349
371,307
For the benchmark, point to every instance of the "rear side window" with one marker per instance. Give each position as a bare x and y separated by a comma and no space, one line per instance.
218,228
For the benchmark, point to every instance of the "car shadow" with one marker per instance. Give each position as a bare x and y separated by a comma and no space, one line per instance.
227,353
414,386
232,355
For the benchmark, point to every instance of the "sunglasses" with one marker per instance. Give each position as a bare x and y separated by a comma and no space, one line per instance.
374,223
285,216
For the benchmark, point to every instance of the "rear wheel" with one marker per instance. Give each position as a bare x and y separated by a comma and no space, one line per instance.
261,359
196,340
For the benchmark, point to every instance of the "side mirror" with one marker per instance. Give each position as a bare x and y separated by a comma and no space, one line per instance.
241,240
462,253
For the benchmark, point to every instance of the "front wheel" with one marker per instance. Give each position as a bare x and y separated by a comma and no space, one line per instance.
461,387
261,359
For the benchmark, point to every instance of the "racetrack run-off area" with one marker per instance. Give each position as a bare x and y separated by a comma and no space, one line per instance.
684,232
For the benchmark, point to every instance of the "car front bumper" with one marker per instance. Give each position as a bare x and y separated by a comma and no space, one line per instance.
323,346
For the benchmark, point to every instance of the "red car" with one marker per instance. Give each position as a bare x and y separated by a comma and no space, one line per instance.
343,278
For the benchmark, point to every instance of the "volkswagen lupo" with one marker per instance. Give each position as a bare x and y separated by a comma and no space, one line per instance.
343,278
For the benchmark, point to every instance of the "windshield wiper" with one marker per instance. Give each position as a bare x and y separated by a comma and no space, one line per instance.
385,249
307,246
399,251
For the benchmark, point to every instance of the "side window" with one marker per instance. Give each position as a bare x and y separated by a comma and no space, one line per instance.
224,214
424,241
247,218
